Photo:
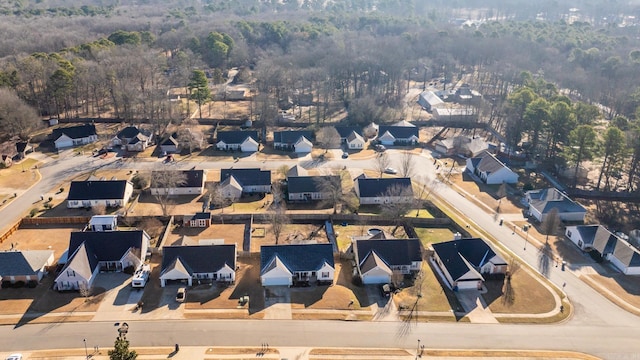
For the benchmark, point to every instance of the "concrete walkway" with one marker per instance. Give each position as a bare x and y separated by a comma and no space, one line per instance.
477,310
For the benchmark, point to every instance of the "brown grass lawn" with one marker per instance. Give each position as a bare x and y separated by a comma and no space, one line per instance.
148,205
531,297
231,233
561,247
41,238
434,295
232,110
291,234
433,235
624,286
19,176
335,297
486,194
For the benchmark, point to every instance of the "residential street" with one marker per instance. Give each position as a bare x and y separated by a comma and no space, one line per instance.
597,327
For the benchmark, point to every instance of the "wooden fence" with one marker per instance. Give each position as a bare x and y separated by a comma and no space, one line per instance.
10,231
55,220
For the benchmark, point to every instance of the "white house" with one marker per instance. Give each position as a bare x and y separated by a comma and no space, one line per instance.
133,138
74,136
193,184
379,260
235,182
303,145
108,193
542,201
95,252
355,141
383,190
103,223
286,265
306,188
490,170
299,141
198,263
245,141
398,135
616,250
429,100
462,262
625,257
25,266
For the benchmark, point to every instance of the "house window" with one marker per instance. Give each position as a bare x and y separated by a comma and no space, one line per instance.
325,274
569,233
313,273
71,273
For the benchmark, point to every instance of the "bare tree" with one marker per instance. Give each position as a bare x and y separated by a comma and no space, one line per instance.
18,118
406,164
502,192
328,137
162,182
217,197
382,162
397,201
191,139
84,289
278,218
509,296
551,223
424,192
277,192
99,209
331,188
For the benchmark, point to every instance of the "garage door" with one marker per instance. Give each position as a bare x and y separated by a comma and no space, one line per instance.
276,281
466,285
376,279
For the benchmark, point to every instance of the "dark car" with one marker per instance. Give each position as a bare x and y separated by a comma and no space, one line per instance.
345,155
385,290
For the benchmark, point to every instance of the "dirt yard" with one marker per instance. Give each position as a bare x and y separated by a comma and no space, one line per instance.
344,233
434,296
624,286
261,234
42,237
487,195
231,233
530,296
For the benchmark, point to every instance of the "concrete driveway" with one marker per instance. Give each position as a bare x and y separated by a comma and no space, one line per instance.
475,307
277,302
120,299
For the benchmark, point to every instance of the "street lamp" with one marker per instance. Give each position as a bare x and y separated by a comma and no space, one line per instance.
526,230
418,355
86,353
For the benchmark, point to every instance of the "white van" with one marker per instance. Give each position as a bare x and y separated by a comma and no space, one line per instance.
141,276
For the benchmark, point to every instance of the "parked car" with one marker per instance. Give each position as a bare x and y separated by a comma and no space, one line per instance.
345,155
390,170
385,290
15,357
380,148
181,295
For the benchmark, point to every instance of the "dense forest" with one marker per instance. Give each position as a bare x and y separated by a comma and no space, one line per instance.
552,70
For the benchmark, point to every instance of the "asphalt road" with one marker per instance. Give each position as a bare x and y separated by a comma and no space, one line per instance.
597,327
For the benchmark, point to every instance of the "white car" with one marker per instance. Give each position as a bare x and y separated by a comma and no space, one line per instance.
15,357
181,295
390,170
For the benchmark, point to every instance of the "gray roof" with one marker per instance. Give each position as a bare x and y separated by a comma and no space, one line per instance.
19,263
399,132
308,257
345,131
200,258
236,137
626,254
598,238
393,252
488,163
193,178
97,190
546,199
131,132
310,184
75,132
372,187
247,177
290,137
458,255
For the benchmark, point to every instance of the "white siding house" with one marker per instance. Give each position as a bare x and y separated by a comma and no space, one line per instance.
108,193
490,170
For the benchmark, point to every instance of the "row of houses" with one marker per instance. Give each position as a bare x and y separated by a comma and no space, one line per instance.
136,139
623,255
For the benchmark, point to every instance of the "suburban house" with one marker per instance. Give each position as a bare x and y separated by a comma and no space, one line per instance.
193,184
299,141
352,137
110,193
383,190
74,136
235,182
618,251
169,145
428,100
464,113
207,263
197,220
542,201
107,251
285,265
103,223
25,266
398,135
133,138
463,262
306,188
490,170
464,145
378,260
245,141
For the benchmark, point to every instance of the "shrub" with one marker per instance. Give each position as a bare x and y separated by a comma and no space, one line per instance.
50,198
18,284
6,284
140,181
33,212
129,270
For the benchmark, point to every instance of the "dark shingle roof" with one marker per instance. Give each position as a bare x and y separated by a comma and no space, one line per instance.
236,137
488,163
453,254
247,177
392,251
17,263
291,136
297,257
200,258
97,190
171,140
399,132
370,187
128,133
192,178
309,184
345,131
75,132
107,245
